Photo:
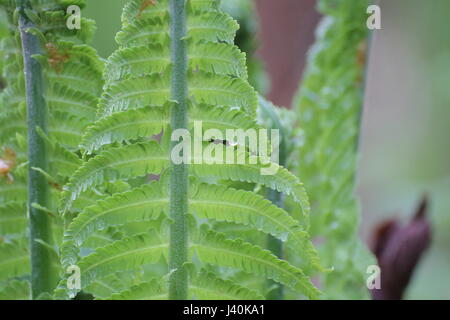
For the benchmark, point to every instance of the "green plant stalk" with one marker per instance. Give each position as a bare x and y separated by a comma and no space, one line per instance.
276,247
178,281
273,244
40,227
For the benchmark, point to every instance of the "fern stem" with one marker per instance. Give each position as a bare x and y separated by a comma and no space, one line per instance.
276,291
178,281
276,247
40,227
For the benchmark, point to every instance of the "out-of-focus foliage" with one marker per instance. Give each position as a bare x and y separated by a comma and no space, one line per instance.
329,104
284,120
405,146
72,73
244,12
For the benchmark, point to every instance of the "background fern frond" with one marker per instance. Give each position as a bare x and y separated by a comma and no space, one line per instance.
329,104
72,74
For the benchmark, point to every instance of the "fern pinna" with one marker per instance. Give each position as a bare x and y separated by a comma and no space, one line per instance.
330,102
176,65
66,78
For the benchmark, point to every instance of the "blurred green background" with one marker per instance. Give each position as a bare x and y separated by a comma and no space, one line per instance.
405,146
107,14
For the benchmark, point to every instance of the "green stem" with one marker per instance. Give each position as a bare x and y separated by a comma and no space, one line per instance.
178,281
40,227
276,247
273,244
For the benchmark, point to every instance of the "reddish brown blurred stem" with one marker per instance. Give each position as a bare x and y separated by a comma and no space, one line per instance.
398,250
286,32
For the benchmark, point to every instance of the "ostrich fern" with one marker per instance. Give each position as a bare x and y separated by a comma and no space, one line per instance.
41,147
138,225
330,101
176,65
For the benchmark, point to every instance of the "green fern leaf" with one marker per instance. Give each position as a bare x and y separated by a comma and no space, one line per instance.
136,105
12,218
14,260
145,122
282,180
115,164
152,290
126,254
217,58
16,290
208,286
141,204
245,207
214,248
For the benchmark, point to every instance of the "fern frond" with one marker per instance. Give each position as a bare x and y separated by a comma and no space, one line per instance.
15,191
154,90
141,204
131,253
62,162
148,121
54,25
136,104
204,285
207,286
79,76
82,54
244,207
217,58
67,129
145,158
214,248
134,9
282,180
126,254
72,73
14,259
66,100
115,164
105,287
144,31
329,105
12,218
223,91
152,290
126,125
137,61
64,127
133,93
16,290
210,26
212,202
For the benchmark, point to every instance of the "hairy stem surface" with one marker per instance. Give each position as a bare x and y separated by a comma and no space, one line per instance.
42,275
178,281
